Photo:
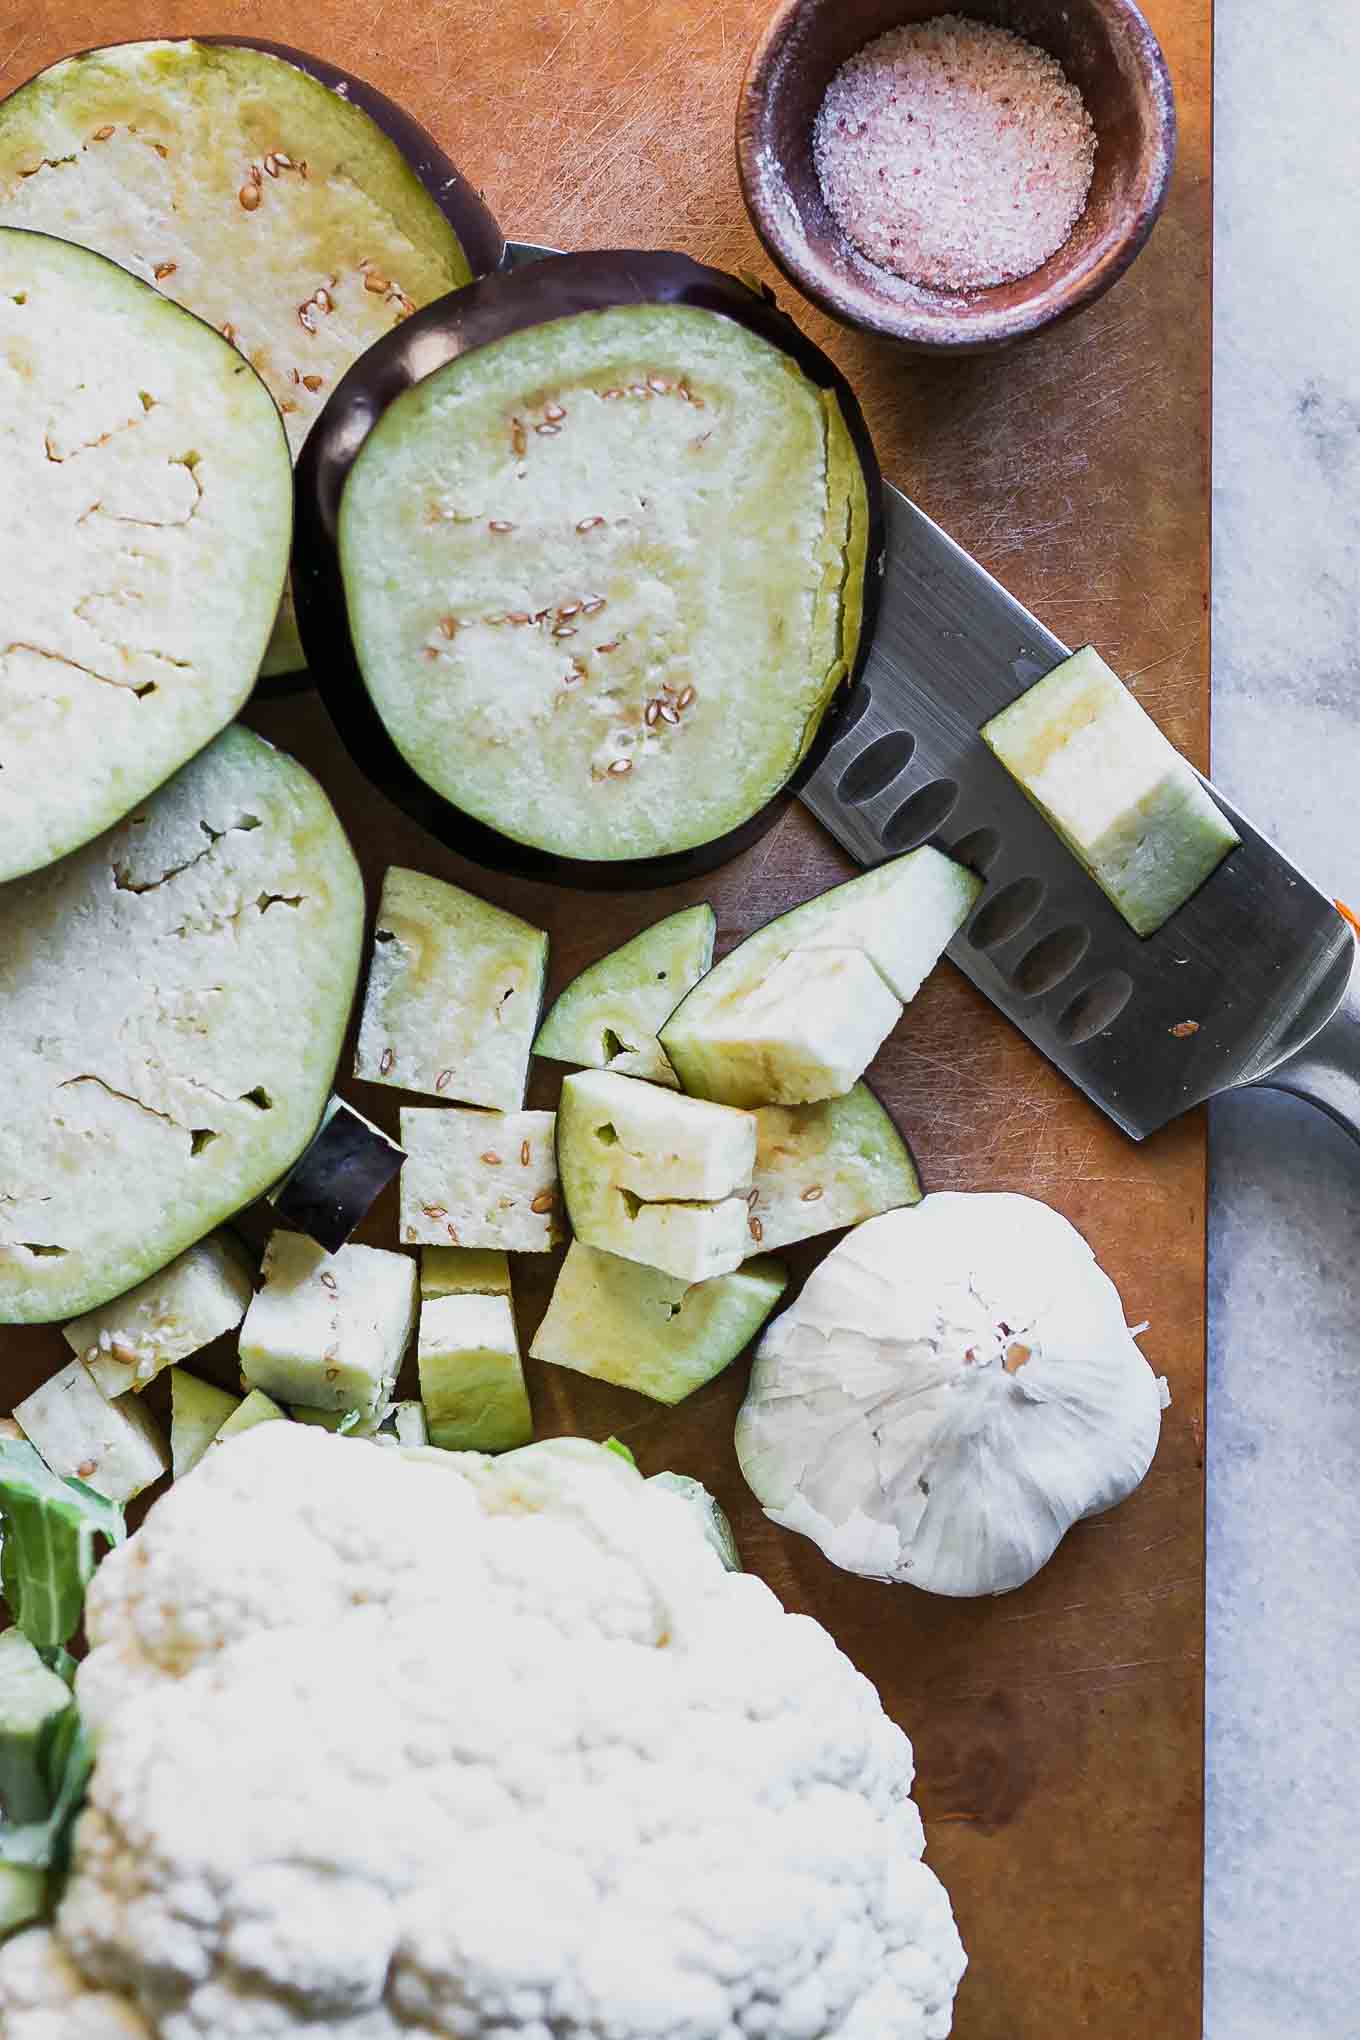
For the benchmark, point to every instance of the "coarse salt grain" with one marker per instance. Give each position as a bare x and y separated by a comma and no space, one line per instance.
954,153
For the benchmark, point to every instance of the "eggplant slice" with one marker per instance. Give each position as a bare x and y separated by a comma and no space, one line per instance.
585,557
172,999
144,528
290,205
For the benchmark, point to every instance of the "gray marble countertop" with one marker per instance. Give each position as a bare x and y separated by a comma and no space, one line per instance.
1283,1870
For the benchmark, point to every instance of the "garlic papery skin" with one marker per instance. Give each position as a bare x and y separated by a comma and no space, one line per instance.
955,1387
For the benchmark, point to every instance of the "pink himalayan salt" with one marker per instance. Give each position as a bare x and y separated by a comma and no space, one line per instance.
954,153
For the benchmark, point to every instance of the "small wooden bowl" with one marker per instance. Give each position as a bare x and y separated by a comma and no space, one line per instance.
1107,50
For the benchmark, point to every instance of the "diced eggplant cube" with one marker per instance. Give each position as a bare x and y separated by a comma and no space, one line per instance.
200,1295
332,1188
463,1271
455,987
256,1408
653,1176
198,1410
827,1165
690,1241
1119,794
661,1147
809,1031
479,1179
114,1447
329,1330
901,915
607,1018
471,1378
643,1329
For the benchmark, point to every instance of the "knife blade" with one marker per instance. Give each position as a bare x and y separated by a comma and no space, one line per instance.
1241,977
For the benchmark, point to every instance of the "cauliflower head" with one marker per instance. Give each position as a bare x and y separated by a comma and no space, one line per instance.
404,1746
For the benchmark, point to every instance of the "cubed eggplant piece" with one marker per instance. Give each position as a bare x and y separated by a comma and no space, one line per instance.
643,1329
200,1295
471,1377
115,1447
480,1179
463,1271
608,1017
654,1176
901,916
255,1408
198,1410
455,989
827,1165
329,1330
1128,806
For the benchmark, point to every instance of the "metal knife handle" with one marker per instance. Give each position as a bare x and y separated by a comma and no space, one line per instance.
1326,1070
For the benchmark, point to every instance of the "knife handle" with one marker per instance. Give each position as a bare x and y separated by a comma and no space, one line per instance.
1326,1070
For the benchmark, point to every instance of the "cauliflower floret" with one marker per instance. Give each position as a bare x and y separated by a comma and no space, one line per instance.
432,1747
45,1997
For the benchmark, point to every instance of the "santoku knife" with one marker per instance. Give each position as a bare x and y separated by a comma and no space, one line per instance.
1254,980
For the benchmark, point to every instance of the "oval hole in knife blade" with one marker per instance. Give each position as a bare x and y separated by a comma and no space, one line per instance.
876,767
1003,916
856,703
977,850
1096,1007
1052,958
921,814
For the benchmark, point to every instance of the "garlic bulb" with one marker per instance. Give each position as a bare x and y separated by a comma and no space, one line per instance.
953,1389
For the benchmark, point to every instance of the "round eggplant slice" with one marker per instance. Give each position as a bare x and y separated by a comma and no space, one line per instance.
172,999
289,204
586,557
144,530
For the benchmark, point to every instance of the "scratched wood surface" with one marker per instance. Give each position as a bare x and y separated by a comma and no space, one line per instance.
1058,1730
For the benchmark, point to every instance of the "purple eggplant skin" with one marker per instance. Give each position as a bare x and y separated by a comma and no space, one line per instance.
330,1188
557,287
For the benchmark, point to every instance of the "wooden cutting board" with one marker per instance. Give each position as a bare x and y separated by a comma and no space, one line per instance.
1058,1730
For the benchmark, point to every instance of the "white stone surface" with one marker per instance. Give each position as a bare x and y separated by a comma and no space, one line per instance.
1283,1848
